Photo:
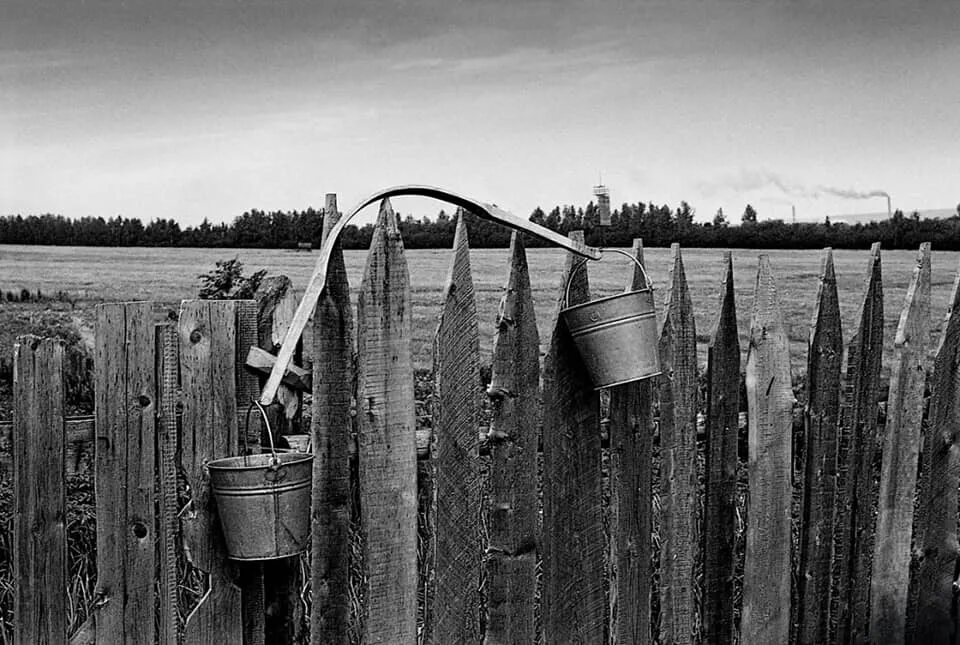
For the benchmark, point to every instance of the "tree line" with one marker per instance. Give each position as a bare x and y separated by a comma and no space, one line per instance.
657,225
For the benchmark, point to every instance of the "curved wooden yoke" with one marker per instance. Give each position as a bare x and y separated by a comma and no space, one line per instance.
319,277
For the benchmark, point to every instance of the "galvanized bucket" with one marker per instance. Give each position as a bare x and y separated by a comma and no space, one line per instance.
263,501
617,335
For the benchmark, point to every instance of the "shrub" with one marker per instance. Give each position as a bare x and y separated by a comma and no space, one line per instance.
227,282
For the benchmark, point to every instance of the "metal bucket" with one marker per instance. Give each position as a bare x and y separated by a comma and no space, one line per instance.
617,335
264,502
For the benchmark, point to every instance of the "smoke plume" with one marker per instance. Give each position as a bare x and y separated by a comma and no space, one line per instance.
758,179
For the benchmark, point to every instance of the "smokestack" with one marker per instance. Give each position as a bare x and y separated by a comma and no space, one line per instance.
889,210
793,209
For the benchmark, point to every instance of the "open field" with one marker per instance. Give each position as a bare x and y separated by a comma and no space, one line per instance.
91,275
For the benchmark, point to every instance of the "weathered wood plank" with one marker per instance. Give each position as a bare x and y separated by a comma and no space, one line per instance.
857,489
574,606
513,437
766,585
723,407
936,521
631,445
452,615
678,441
39,493
824,358
332,424
208,365
126,391
387,448
898,471
168,380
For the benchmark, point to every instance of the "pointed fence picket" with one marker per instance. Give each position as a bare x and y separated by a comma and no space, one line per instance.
172,395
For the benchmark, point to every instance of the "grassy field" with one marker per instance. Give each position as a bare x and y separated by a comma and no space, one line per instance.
92,275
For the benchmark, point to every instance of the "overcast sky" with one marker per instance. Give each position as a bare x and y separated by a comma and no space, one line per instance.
204,108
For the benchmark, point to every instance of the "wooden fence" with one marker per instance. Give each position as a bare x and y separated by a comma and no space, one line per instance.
653,530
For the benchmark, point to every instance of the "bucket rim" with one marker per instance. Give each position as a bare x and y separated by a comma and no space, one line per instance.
286,459
623,294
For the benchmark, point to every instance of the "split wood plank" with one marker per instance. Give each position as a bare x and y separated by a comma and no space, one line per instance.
678,440
39,493
208,364
512,509
824,358
766,584
387,443
126,392
936,521
168,524
631,445
898,470
452,615
856,488
723,408
574,606
333,383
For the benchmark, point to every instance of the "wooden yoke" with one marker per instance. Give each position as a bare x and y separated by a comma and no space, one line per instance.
317,281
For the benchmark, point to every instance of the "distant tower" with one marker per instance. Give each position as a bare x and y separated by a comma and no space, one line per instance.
602,193
793,209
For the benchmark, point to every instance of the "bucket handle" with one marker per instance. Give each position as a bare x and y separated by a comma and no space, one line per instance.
274,460
583,262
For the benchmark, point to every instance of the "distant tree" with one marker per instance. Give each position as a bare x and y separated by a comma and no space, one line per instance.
749,215
719,220
826,221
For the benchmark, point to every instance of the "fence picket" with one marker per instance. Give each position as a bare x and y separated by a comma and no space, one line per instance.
387,443
39,493
513,438
678,428
898,471
573,598
126,392
207,330
452,616
856,486
825,349
332,424
723,407
631,445
766,584
168,379
936,519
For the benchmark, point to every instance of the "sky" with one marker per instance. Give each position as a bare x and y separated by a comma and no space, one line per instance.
207,108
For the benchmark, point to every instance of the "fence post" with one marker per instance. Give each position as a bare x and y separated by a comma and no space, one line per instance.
898,471
387,451
723,412
824,354
452,611
936,519
856,487
126,392
39,494
631,509
766,583
513,437
573,599
678,447
332,424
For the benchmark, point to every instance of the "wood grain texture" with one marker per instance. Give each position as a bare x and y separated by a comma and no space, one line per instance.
208,364
631,472
126,392
856,488
387,443
936,521
39,493
168,381
331,436
512,510
723,407
898,470
452,614
824,358
574,608
766,585
678,448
